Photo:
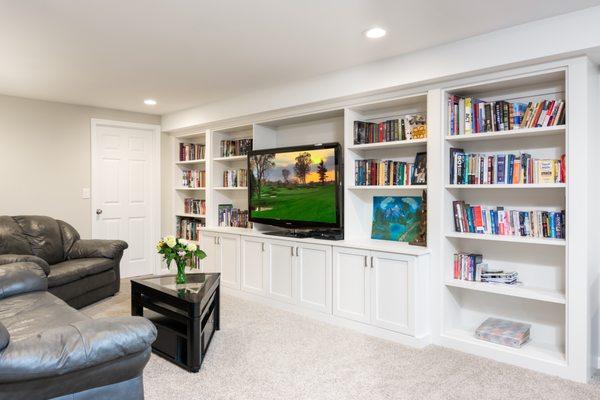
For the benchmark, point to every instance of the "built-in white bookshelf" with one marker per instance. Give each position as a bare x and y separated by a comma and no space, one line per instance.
541,262
556,274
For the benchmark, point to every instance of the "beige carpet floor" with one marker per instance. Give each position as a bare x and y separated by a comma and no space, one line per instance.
264,353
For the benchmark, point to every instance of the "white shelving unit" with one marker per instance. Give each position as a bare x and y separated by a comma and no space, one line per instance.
558,296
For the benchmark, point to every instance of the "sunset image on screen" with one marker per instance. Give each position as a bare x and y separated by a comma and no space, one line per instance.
298,186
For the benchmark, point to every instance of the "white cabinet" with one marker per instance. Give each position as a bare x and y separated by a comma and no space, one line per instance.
281,267
376,288
211,263
351,284
314,276
229,247
391,291
253,262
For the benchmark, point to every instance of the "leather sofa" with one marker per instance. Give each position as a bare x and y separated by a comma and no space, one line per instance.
49,350
79,272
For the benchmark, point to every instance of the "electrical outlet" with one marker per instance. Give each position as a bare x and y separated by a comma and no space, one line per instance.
85,193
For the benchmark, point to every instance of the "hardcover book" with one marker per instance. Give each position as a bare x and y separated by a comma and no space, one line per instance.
504,332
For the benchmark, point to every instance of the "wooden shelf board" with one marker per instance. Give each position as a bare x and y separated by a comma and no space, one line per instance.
522,291
506,238
231,188
389,145
388,187
187,188
513,133
190,162
190,215
511,186
231,158
465,340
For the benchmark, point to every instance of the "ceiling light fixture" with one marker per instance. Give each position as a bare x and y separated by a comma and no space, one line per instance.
375,33
150,102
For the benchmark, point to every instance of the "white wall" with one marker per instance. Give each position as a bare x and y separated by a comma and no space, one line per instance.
45,157
567,34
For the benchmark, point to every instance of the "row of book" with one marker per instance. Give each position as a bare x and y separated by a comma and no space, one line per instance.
194,206
238,147
467,115
189,228
383,173
470,267
235,178
194,178
482,168
233,217
403,128
506,222
191,151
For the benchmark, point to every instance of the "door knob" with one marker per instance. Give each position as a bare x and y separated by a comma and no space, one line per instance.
98,211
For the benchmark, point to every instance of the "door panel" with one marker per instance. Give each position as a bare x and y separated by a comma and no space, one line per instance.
314,277
391,291
253,265
282,271
212,262
122,192
229,252
351,285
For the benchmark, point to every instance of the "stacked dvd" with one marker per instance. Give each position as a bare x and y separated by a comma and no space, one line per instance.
499,276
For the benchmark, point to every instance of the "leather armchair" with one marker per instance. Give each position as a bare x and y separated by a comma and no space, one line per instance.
79,271
50,350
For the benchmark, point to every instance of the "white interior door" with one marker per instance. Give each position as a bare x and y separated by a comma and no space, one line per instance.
126,190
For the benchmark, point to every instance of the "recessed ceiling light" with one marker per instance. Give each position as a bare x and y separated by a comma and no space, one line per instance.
150,102
375,33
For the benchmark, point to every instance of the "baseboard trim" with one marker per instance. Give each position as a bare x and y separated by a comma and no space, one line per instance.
407,340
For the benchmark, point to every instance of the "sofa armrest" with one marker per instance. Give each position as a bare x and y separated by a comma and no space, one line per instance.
74,347
90,248
13,258
21,277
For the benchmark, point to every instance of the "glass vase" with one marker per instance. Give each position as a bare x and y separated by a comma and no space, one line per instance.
181,278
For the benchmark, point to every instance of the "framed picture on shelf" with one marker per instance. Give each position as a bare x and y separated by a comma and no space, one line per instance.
396,218
419,176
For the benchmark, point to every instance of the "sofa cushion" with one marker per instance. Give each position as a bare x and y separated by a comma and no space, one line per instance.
44,236
4,337
12,238
72,270
29,314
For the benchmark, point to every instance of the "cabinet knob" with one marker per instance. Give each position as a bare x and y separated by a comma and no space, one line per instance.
98,211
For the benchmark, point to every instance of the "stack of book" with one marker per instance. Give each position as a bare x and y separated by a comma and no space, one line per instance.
194,206
500,221
238,147
471,116
235,178
191,151
390,130
504,332
470,267
481,168
233,217
189,228
194,178
382,173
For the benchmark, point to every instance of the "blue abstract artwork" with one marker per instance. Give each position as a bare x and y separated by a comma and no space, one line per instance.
396,218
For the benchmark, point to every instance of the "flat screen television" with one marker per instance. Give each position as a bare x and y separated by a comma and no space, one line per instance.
296,187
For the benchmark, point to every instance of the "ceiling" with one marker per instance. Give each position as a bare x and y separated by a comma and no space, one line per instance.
184,53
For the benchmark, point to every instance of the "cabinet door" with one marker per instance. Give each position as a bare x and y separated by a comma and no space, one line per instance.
391,291
212,262
229,250
253,265
281,264
351,285
314,277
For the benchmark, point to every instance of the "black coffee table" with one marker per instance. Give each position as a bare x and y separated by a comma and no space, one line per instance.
186,316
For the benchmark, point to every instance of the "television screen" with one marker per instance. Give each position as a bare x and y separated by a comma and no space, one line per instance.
294,187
